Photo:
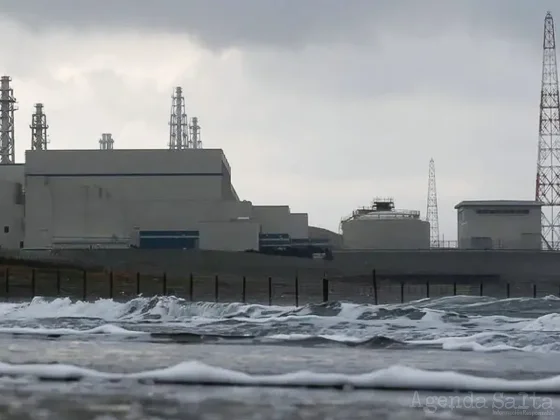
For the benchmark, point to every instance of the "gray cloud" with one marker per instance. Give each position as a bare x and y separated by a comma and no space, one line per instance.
292,23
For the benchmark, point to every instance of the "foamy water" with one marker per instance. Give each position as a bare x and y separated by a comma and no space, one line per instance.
453,344
453,323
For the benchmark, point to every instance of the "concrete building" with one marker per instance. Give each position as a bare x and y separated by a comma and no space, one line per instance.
11,211
11,206
139,198
500,224
382,227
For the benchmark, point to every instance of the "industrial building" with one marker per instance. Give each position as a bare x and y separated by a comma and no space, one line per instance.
141,198
499,224
381,226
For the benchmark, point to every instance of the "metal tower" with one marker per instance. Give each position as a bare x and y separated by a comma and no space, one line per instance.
7,108
106,141
548,164
432,210
178,123
39,126
195,141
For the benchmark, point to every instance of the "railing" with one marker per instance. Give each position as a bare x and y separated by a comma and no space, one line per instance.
25,283
446,244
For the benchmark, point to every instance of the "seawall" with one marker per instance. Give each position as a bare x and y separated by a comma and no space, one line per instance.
518,266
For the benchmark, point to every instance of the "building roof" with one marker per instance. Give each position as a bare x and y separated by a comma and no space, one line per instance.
499,203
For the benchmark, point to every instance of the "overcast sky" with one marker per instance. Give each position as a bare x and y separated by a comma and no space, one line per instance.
319,104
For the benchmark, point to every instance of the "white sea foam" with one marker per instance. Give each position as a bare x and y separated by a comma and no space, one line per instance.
450,323
394,377
106,329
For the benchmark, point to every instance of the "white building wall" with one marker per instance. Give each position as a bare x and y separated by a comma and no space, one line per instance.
147,189
299,226
499,230
395,233
57,213
58,209
273,219
180,214
12,173
11,215
241,235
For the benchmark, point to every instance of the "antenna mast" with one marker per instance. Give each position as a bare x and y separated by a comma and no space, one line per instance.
178,123
7,108
432,210
39,126
195,142
548,164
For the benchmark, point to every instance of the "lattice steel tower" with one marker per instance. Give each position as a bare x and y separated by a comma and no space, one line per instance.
7,108
432,210
195,141
178,123
39,126
106,141
548,164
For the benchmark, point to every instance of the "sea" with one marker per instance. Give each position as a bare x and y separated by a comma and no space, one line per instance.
459,357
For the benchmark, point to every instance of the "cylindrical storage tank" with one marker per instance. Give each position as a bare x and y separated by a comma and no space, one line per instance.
391,230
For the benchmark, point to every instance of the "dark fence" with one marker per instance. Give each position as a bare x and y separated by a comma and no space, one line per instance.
17,282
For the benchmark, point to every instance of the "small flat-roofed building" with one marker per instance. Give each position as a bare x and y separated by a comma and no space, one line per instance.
499,224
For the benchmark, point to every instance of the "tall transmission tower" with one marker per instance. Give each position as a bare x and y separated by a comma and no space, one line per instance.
178,123
39,126
195,141
548,163
432,210
106,141
7,108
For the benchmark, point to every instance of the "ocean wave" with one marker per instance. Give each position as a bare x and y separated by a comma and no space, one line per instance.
460,323
107,329
196,373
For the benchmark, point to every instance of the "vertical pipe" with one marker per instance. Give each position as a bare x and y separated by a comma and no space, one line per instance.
137,283
111,284
534,291
507,291
428,289
216,288
244,290
164,283
58,282
296,291
374,284
270,291
325,289
84,286
7,281
33,281
191,287
481,289
402,291
454,288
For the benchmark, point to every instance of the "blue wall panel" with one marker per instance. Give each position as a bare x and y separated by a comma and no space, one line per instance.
168,243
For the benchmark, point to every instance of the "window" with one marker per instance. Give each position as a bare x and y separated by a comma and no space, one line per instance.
6,229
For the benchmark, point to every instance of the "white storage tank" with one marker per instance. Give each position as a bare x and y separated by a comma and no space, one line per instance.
382,227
